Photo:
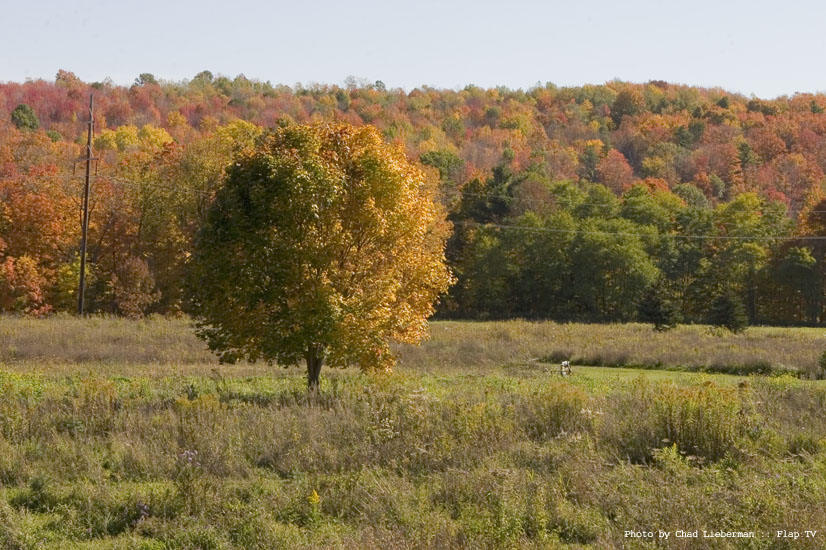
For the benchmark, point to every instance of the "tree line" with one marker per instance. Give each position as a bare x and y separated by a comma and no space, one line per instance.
575,251
567,203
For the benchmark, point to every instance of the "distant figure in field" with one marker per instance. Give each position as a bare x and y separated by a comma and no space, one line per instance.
565,368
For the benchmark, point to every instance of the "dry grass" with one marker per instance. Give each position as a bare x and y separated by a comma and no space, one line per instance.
119,345
66,339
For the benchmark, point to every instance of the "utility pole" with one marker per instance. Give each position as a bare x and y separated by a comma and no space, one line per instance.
84,230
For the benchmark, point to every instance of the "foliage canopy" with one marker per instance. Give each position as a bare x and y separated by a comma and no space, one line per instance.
587,194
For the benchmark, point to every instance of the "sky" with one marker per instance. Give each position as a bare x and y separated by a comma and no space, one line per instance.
752,47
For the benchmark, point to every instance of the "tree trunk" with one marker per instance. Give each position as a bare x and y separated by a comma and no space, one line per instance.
752,302
315,357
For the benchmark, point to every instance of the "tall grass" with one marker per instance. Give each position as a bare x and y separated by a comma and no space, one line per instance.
102,342
467,445
402,461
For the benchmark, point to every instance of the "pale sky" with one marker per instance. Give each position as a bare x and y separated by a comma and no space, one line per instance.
752,47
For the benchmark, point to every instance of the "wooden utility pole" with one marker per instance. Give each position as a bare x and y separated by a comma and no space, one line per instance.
85,220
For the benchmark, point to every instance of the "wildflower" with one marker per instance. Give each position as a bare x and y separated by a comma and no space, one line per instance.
189,458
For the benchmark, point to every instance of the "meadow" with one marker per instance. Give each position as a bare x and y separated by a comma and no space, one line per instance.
128,434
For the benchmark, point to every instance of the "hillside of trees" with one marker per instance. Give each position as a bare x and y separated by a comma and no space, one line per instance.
567,203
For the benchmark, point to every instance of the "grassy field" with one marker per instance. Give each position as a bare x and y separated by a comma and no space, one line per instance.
123,434
122,346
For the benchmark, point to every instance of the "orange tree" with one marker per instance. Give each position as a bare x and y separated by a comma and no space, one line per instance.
324,243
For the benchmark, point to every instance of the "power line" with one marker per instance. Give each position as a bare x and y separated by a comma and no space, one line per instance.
157,185
632,234
572,204
121,181
185,190
458,193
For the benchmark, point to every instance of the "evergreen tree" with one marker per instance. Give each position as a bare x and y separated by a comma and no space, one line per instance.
24,117
657,308
727,310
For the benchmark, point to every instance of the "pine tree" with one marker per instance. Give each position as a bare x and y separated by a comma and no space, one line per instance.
727,310
657,308
24,117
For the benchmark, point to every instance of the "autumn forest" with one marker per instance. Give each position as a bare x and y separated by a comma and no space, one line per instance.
567,203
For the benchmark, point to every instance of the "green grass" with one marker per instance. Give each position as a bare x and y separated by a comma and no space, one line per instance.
471,443
608,376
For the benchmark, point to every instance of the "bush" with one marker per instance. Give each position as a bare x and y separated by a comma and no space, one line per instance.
133,287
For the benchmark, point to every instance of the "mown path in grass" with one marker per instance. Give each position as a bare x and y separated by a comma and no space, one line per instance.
611,374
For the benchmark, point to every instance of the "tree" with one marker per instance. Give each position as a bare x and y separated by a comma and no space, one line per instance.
145,79
751,225
204,76
485,292
611,269
67,79
691,195
21,286
628,103
797,284
24,117
615,172
133,288
541,288
588,163
323,244
727,310
486,201
813,224
657,308
448,163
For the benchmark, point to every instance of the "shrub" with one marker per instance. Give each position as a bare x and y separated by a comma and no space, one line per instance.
133,288
39,496
577,524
